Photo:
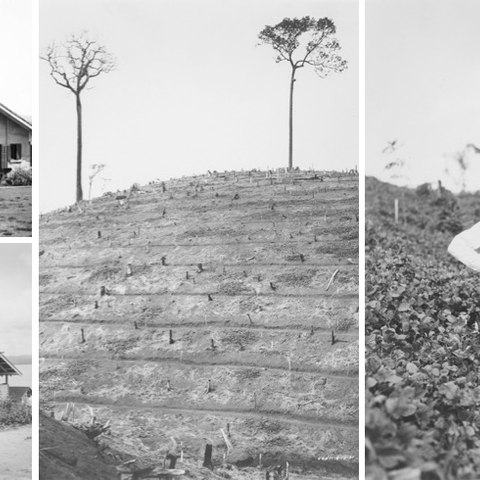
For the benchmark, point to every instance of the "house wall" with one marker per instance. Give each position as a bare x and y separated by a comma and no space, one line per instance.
10,133
3,391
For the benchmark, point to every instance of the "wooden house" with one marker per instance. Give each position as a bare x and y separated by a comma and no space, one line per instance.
7,369
21,394
15,139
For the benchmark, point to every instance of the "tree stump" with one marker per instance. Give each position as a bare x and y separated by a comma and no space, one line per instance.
207,459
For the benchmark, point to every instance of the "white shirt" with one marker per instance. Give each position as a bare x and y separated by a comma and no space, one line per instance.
465,245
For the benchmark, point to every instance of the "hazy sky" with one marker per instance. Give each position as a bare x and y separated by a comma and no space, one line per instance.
16,298
192,92
16,55
423,78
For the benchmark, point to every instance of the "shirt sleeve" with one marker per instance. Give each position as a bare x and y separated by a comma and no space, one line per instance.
465,245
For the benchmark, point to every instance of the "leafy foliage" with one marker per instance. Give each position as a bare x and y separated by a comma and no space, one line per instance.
14,413
319,49
320,45
19,177
422,340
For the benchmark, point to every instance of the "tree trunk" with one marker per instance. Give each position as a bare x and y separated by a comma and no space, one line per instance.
290,122
79,149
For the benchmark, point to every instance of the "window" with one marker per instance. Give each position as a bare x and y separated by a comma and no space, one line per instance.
16,151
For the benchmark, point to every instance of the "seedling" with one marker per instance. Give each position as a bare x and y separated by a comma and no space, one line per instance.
209,387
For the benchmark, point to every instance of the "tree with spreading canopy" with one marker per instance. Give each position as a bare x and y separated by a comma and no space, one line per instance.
72,65
300,42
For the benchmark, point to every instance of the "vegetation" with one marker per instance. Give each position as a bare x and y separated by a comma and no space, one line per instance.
422,335
19,177
16,212
319,49
12,413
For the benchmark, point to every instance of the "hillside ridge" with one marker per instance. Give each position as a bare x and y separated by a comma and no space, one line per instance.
182,307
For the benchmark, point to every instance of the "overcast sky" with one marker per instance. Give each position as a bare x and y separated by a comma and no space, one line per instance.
423,78
192,92
16,55
16,298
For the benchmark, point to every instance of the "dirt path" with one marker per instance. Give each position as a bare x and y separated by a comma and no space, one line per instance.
290,419
204,325
16,453
348,377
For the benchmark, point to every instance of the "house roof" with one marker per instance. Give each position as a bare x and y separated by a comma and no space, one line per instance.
16,393
7,367
15,117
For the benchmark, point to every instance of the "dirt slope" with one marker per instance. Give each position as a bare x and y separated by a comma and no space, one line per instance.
208,303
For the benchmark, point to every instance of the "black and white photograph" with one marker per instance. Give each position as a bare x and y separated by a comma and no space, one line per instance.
199,239
15,119
422,239
16,362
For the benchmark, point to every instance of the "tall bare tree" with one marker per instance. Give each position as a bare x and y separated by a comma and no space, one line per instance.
319,50
72,65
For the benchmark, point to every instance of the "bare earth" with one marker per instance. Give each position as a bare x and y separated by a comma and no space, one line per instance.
204,305
16,457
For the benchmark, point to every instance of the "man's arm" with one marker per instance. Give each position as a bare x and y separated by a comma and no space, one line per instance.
463,247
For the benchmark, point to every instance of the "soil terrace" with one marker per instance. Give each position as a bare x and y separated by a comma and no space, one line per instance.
237,281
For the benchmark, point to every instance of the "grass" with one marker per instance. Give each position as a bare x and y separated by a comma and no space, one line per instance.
15,211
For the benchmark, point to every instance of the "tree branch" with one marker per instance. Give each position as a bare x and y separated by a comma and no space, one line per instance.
77,61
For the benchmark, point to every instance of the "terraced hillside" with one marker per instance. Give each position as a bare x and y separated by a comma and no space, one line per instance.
215,302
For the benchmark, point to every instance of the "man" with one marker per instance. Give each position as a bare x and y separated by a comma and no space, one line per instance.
466,247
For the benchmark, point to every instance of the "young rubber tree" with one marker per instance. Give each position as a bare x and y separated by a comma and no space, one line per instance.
95,169
300,42
72,65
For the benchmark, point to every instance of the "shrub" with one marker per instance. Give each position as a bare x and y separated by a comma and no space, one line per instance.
19,177
14,413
